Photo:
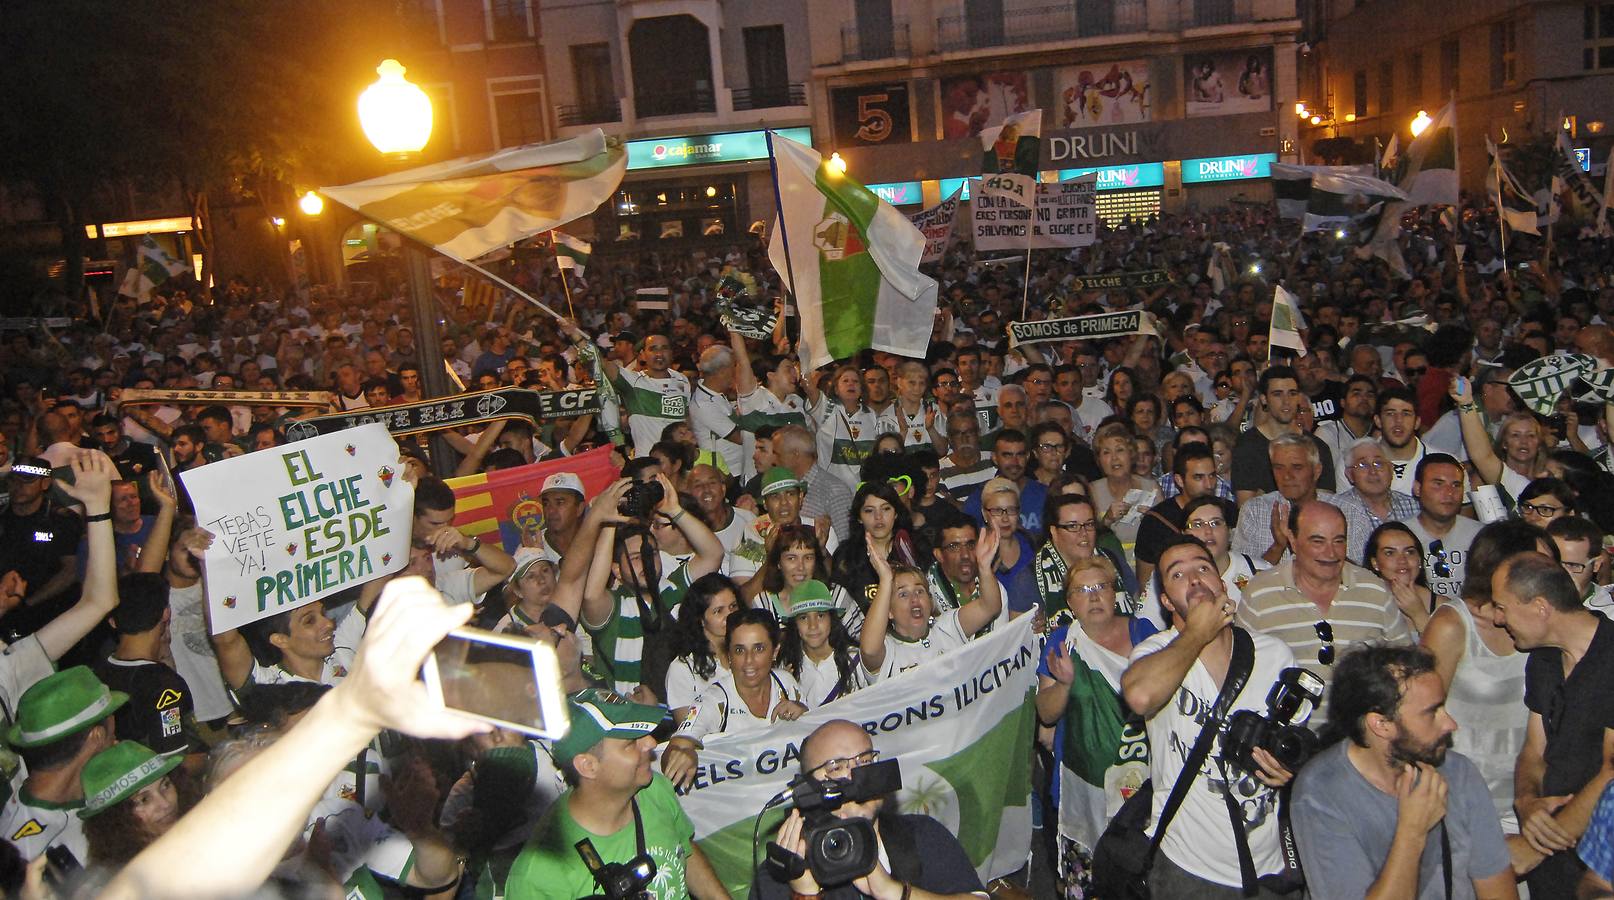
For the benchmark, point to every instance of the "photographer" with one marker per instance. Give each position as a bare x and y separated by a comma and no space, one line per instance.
1389,812
919,859
1174,681
629,815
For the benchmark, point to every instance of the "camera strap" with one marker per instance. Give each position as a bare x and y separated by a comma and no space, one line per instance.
1445,858
638,828
1238,672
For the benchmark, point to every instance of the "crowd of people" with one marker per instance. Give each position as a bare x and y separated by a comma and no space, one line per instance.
1287,638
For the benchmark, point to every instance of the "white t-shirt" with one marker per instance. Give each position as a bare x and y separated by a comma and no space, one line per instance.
712,416
818,679
719,709
35,826
194,659
1199,839
684,685
945,636
1241,567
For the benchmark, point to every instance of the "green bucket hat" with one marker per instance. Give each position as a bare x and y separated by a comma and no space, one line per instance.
597,714
810,596
779,479
119,772
61,705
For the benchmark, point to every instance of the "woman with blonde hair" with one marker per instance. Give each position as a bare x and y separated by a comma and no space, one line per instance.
1121,496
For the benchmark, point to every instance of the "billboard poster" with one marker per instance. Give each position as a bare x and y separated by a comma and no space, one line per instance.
1228,82
871,115
1114,93
972,102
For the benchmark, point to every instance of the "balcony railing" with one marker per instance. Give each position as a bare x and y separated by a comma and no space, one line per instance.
1084,18
857,45
590,113
771,96
680,102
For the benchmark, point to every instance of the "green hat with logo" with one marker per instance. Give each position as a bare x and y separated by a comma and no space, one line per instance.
811,595
61,705
779,479
119,772
597,715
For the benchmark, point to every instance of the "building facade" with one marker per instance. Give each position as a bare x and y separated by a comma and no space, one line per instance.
1174,103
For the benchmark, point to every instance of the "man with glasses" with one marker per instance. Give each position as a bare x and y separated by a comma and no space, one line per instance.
1580,550
1445,535
1369,472
1010,455
1193,475
1318,602
919,858
1355,420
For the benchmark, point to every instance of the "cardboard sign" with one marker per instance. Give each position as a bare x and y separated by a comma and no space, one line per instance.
1064,215
296,523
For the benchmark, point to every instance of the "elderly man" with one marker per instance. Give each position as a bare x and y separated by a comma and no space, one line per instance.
827,495
1296,467
1369,472
1318,602
1281,399
712,412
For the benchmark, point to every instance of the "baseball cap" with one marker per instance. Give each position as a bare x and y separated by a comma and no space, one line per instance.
563,481
61,705
30,467
119,772
811,595
779,479
526,558
598,714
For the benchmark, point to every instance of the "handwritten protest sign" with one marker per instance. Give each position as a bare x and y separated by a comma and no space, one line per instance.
296,523
936,224
1064,215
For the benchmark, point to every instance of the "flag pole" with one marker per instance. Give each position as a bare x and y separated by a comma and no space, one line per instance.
1501,219
779,206
562,270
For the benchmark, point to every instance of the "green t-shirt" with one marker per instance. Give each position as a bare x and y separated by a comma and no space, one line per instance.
619,643
550,867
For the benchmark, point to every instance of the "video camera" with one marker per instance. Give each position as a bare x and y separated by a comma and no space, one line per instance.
838,849
1281,731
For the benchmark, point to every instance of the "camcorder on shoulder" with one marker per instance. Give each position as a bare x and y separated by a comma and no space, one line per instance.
839,850
1281,730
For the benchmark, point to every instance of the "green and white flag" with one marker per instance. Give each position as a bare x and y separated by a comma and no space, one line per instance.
960,725
152,267
571,253
1347,200
1287,322
1013,146
1429,166
854,261
1515,206
1540,383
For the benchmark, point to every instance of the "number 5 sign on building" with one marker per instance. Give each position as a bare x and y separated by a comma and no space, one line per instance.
872,115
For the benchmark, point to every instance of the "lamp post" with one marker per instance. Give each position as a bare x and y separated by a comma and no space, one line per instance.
397,118
1420,123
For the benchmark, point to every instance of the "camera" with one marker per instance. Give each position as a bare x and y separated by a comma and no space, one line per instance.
1281,731
619,881
641,500
839,850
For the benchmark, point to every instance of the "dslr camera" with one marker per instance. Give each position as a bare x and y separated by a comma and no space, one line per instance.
1281,730
640,500
838,850
619,881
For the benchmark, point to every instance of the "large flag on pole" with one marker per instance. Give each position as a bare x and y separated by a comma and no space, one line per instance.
1345,200
572,253
1013,146
1291,185
1515,206
1286,322
854,260
467,207
152,267
1430,161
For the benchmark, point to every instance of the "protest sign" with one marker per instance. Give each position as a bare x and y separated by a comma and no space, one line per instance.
1112,281
452,412
504,503
294,524
1065,215
936,224
959,725
1082,328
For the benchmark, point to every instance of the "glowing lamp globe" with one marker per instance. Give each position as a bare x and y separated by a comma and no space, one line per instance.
395,114
311,204
1421,123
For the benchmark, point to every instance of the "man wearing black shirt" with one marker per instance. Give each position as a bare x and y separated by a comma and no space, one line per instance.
1327,396
39,541
1565,763
160,711
133,458
1194,471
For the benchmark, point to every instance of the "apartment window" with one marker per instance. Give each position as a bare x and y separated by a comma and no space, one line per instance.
594,88
519,117
1599,35
1504,55
765,67
671,58
419,18
507,20
1448,67
1359,93
1415,79
1386,86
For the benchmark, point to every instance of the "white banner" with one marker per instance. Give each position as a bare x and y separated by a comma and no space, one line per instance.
296,523
1066,216
962,726
936,224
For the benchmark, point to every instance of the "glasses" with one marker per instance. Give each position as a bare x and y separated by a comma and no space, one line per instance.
1207,523
1541,510
1441,566
1076,527
1363,465
957,546
841,767
1575,568
1325,633
1002,510
1090,589
1055,447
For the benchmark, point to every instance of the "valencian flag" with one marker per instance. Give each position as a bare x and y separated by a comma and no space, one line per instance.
1516,206
1541,382
1429,165
468,207
505,501
854,261
1286,322
572,253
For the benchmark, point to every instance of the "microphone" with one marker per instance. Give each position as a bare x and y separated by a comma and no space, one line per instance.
867,782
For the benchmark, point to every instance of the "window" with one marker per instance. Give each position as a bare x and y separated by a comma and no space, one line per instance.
593,85
671,58
507,20
1504,55
765,68
1599,35
1448,67
1359,93
1386,86
419,18
519,118
983,22
874,29
1415,80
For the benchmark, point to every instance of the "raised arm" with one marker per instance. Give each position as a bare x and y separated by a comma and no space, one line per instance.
576,566
607,364
972,617
871,641
471,461
708,549
1476,440
154,552
745,381
93,472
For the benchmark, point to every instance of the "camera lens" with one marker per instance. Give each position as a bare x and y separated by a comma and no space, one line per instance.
835,845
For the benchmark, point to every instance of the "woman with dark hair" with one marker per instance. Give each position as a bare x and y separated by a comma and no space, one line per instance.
1147,415
1546,499
795,556
1121,388
132,796
1050,449
817,648
1395,554
880,523
1593,487
697,640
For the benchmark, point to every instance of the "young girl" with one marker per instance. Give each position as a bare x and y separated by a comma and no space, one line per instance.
816,648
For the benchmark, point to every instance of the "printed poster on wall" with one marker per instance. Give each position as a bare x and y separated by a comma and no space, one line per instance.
296,523
871,115
972,102
1065,217
1228,82
1115,93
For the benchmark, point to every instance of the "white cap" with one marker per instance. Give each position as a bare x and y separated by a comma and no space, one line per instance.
563,481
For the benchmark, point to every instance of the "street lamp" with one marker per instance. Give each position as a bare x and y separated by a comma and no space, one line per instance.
397,118
836,163
1421,123
311,204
